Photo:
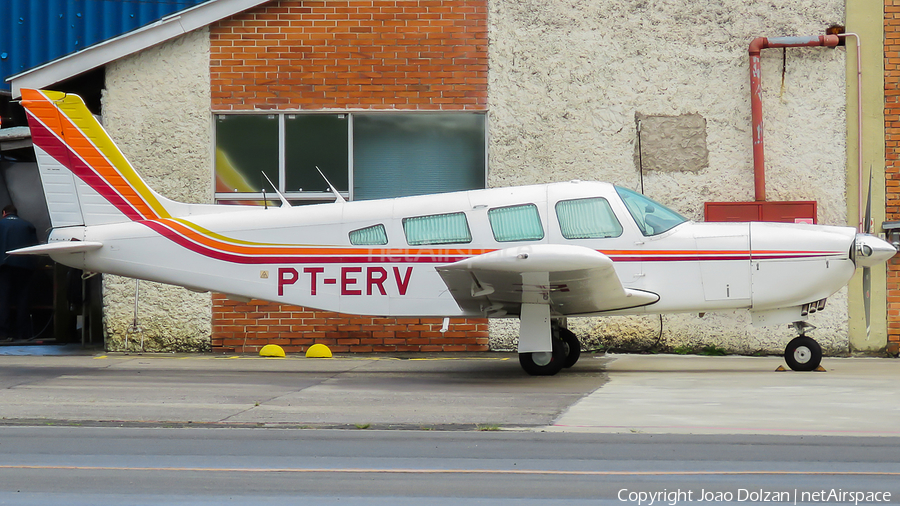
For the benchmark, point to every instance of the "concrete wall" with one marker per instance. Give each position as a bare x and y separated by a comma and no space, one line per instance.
156,108
569,78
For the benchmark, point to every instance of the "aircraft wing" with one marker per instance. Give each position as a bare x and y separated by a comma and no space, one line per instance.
571,279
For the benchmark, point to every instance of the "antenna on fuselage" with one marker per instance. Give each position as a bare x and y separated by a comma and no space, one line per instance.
338,196
284,200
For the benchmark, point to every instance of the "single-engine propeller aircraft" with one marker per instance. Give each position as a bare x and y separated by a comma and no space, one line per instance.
534,252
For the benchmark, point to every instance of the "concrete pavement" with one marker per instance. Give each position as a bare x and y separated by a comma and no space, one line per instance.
423,392
602,393
672,394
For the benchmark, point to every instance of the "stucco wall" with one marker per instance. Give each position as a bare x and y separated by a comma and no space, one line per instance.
156,108
568,78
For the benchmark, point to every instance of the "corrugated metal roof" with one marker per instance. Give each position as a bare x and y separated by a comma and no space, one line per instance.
33,32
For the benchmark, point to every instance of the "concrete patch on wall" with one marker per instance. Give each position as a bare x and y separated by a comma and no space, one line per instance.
568,77
671,143
156,108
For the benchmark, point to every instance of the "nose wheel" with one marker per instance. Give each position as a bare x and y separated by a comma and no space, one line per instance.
803,353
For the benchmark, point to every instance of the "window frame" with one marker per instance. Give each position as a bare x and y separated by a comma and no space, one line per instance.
612,212
377,225
320,196
537,213
457,213
626,194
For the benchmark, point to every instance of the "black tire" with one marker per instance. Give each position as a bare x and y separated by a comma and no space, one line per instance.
544,364
803,354
572,346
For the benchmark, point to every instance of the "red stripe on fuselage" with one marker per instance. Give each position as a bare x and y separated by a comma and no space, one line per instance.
299,258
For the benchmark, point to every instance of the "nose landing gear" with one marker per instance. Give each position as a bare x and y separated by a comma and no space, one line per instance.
803,353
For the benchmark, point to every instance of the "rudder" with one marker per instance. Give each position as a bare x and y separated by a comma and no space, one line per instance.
86,178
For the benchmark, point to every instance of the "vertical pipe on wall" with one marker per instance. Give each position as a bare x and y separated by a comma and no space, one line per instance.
859,122
757,45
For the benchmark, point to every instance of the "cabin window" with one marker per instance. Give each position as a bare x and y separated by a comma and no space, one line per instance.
590,218
437,229
365,155
516,223
369,236
651,217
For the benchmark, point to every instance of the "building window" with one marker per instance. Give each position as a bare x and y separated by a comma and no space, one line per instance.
516,223
246,146
587,219
369,236
437,229
365,155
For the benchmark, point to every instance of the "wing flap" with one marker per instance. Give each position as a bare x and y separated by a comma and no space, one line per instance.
570,279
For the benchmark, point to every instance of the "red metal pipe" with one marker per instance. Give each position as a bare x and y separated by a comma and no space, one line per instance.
758,44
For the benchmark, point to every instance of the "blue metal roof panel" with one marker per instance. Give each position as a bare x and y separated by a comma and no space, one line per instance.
34,32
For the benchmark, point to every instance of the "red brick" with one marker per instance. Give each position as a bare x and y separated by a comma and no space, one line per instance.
386,44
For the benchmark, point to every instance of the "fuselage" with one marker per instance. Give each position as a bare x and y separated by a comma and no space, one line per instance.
379,257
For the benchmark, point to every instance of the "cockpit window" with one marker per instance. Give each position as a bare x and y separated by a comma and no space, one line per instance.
651,217
587,219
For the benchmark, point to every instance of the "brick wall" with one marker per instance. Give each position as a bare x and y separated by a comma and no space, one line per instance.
339,54
892,158
248,326
368,54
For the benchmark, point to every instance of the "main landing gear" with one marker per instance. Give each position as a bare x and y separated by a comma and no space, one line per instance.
566,351
803,353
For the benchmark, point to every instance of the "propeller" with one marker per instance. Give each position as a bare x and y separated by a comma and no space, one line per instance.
869,251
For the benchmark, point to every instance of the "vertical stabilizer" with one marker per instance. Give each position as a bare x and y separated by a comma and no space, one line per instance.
86,178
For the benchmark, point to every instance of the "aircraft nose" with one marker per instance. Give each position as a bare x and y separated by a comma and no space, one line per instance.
870,250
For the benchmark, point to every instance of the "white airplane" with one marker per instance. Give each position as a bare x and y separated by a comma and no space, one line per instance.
534,252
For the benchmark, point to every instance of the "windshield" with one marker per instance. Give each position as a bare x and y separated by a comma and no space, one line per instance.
651,217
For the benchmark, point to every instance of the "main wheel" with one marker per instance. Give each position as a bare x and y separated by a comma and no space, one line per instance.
572,346
803,354
544,363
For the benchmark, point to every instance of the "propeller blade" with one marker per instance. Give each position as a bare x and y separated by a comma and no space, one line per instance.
867,299
867,227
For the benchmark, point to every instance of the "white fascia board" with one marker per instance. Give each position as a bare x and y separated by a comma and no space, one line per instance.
128,43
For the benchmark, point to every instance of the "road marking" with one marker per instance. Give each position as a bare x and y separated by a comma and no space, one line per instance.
453,471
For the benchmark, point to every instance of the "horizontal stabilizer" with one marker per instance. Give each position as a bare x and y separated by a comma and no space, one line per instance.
58,247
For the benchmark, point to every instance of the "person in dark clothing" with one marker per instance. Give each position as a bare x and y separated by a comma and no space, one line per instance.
15,273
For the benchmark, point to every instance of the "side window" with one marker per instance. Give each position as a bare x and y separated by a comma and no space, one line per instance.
516,223
437,229
369,236
587,219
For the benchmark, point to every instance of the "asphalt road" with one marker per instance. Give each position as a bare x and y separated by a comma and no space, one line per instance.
100,466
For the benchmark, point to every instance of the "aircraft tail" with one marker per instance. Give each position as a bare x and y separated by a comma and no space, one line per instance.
86,178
